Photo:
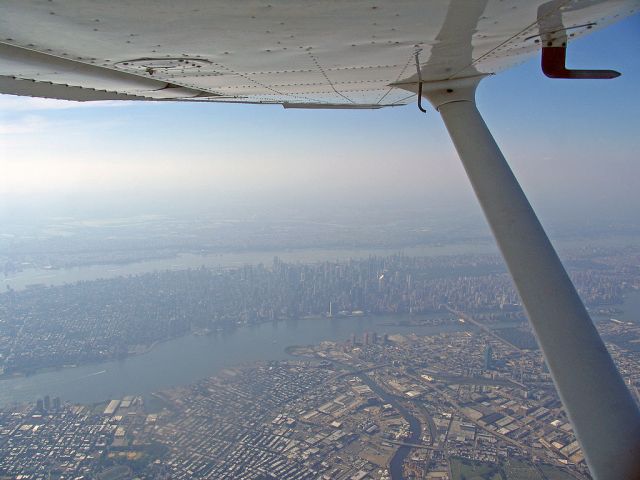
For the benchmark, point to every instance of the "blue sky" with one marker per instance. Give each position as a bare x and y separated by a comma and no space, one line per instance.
573,144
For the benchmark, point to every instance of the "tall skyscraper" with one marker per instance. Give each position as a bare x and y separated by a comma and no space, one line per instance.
488,357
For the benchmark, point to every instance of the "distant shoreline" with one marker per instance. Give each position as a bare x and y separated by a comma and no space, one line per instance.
288,350
146,349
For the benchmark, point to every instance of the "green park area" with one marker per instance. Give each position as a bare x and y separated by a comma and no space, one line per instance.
465,469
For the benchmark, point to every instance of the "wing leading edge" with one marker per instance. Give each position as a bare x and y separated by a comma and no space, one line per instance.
346,54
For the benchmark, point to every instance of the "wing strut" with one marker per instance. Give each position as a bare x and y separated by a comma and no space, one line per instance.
601,409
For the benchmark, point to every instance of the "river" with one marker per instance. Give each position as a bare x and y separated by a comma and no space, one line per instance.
184,360
397,461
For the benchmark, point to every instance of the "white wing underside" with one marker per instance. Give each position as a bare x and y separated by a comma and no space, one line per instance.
329,54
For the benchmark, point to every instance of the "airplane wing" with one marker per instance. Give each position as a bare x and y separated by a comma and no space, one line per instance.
357,54
329,54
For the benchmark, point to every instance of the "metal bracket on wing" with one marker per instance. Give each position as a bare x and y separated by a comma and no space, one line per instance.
420,107
554,37
554,66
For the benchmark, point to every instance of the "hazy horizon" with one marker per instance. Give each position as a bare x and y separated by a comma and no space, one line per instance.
572,144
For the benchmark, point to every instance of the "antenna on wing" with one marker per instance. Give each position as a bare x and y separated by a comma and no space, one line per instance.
420,107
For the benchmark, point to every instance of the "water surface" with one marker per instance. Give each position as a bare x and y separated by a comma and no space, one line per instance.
184,360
